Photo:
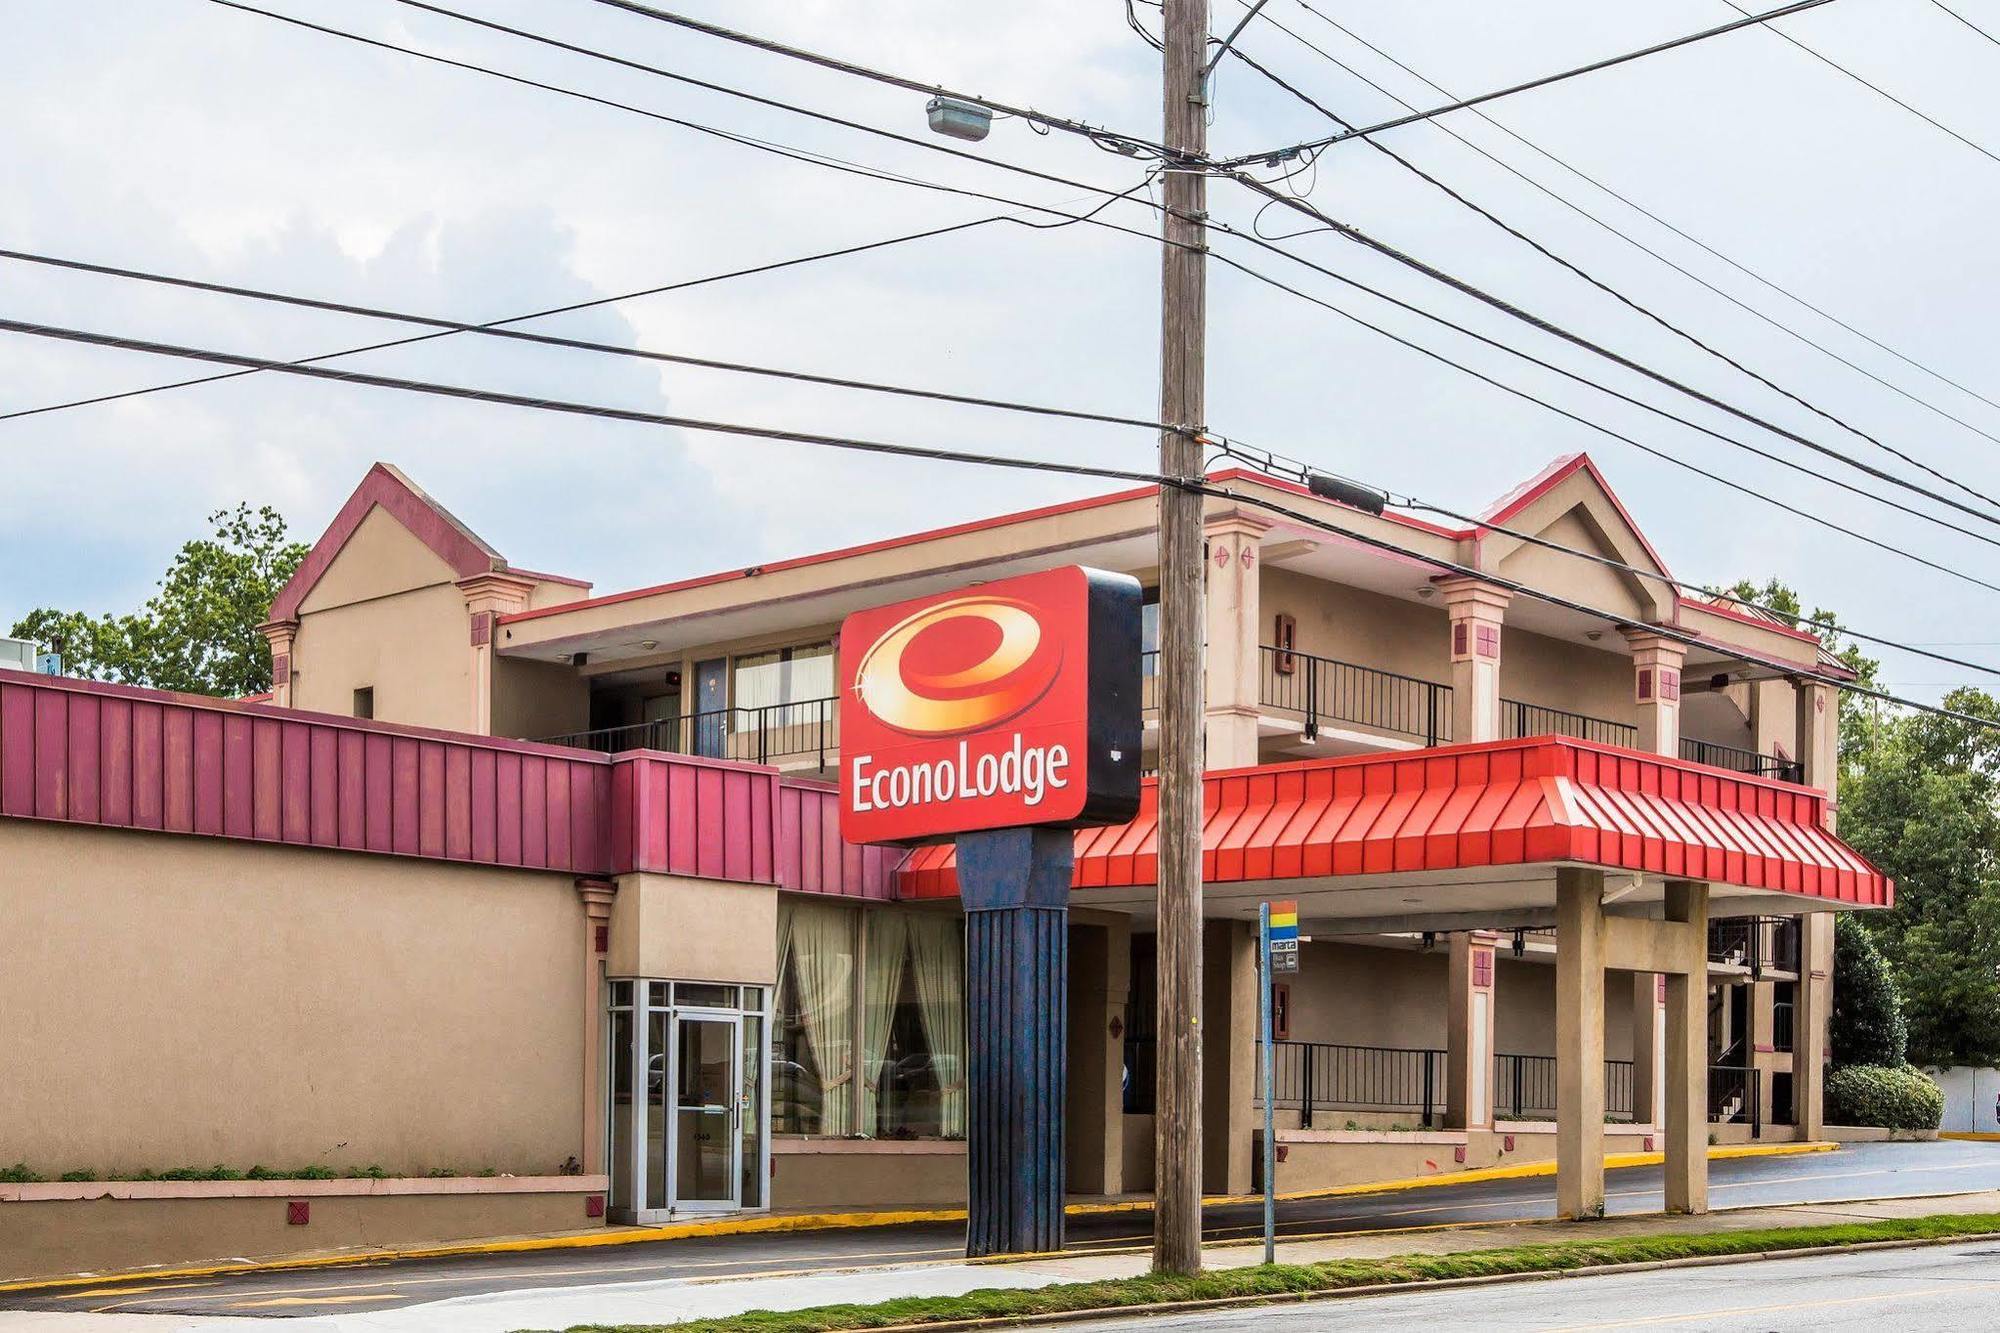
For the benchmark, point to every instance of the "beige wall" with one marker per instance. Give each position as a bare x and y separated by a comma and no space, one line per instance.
1572,676
386,615
687,929
534,700
1357,995
851,1173
176,1001
1351,625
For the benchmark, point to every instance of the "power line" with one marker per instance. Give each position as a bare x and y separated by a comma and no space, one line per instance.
1303,471
1749,20
1878,90
496,330
1661,454
1355,234
1198,485
1967,22
537,314
837,164
1609,392
1621,297
1645,212
1092,132
1351,232
1520,589
568,406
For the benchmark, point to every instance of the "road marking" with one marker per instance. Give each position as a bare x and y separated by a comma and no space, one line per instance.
305,1300
1775,1308
96,1292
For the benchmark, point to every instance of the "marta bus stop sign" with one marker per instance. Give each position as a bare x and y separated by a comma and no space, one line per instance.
1285,936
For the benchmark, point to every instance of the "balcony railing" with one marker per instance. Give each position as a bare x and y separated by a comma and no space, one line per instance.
1737,759
805,733
1758,943
1524,1087
1781,1028
1519,719
1323,1076
1320,689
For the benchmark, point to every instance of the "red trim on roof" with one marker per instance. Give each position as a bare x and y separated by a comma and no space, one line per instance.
427,520
936,534
1541,801
1730,613
1553,476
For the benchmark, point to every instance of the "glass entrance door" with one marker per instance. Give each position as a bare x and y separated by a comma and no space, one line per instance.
687,1116
708,1094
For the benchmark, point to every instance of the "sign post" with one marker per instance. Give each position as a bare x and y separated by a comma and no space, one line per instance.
1277,951
1002,716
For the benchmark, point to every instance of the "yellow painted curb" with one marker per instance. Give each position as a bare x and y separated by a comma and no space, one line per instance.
772,1223
1969,1135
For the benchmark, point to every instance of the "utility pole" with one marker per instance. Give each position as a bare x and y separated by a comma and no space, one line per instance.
1183,332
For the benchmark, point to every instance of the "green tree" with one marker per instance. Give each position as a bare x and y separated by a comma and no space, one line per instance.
198,633
1866,1026
1925,807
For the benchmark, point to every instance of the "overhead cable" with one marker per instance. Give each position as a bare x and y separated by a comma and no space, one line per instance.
1198,485
1749,20
496,330
1617,295
1639,208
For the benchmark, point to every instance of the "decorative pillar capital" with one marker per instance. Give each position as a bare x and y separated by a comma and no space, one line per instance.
281,635
1656,687
597,896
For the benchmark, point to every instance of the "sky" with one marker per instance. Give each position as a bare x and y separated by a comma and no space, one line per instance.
189,138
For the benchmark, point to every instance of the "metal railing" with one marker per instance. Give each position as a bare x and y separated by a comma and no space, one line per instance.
1759,944
1738,760
1320,689
1314,1075
806,730
1732,1098
1781,1025
1324,1076
1519,719
1524,1087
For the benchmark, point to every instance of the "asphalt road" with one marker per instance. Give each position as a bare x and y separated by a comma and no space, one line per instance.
1885,1170
1953,1287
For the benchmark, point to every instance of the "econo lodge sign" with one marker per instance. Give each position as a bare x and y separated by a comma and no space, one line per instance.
1004,704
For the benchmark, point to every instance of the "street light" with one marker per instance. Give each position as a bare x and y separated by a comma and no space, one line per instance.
959,119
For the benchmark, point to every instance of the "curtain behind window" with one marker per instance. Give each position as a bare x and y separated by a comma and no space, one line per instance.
937,958
816,965
888,947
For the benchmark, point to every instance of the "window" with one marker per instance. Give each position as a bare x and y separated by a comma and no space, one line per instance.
1149,632
364,701
765,682
913,1026
898,1021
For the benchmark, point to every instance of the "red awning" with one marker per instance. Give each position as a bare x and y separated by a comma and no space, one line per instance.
1546,800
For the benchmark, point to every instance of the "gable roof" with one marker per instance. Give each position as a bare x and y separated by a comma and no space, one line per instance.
386,488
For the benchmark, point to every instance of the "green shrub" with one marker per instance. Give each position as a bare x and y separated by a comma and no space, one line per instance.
1899,1097
17,1174
1866,1026
77,1177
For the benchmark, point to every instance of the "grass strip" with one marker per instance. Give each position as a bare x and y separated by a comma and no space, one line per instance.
1332,1275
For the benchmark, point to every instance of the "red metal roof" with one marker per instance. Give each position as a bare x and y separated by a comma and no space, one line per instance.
1542,800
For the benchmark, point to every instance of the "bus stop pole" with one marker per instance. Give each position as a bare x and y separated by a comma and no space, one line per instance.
1266,1049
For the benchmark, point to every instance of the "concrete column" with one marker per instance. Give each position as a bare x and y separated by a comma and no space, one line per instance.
1014,884
1477,612
488,597
1235,639
1656,690
1686,1128
281,635
1579,1043
1761,1025
1649,1048
1817,724
1813,1005
1100,965
1228,1055
1469,1022
597,896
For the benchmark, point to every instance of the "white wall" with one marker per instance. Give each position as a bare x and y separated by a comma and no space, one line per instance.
1971,1099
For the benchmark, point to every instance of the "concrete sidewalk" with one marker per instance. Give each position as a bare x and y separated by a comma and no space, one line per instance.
675,1300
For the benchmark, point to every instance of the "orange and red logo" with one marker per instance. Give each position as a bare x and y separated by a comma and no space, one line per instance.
974,709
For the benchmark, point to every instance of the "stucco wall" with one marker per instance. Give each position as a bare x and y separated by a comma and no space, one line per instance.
536,700
687,929
175,1001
